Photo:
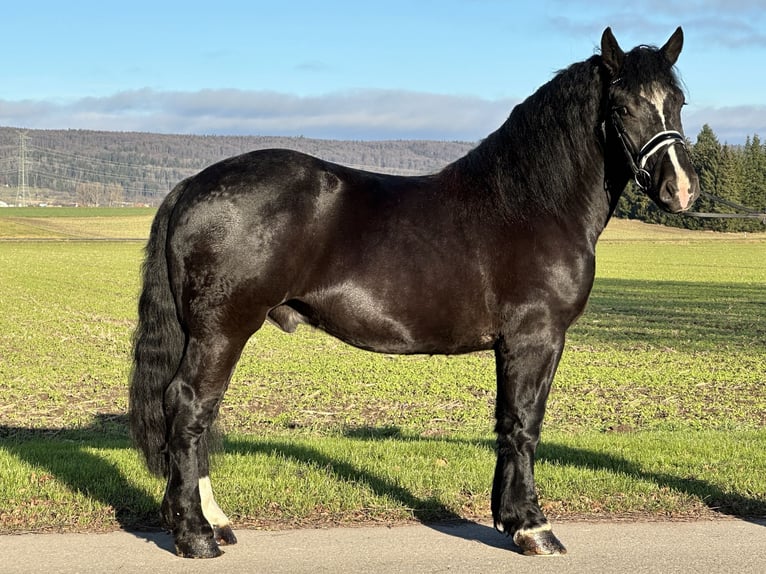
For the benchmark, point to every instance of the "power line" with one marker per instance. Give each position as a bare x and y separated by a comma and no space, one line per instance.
62,171
88,171
22,194
90,159
135,189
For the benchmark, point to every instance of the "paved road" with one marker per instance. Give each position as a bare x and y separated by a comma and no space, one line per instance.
708,547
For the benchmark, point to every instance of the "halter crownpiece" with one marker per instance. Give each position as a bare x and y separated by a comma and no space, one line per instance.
658,142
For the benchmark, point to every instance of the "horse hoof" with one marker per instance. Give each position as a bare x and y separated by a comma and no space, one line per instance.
197,547
538,542
224,535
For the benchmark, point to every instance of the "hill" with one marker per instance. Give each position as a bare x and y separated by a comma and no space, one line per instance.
115,168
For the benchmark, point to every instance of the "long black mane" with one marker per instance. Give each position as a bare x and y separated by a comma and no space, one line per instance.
550,151
550,141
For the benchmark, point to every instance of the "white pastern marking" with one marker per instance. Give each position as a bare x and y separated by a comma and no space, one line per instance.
213,513
520,535
536,530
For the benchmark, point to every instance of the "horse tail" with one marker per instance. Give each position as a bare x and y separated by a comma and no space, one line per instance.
158,344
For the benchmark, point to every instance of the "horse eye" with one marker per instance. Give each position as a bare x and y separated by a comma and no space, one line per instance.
621,110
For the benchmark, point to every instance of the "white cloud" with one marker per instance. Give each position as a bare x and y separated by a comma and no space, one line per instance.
360,114
731,124
717,24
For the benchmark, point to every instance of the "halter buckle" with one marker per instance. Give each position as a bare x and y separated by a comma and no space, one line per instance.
643,179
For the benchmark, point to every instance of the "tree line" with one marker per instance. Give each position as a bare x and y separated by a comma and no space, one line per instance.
114,168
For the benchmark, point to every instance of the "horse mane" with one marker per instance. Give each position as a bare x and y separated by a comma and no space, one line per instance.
547,149
549,153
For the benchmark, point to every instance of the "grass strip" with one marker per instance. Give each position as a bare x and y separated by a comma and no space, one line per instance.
74,482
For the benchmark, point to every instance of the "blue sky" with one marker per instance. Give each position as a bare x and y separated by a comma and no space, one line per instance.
399,69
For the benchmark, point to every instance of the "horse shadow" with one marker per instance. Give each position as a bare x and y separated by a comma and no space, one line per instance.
716,499
430,512
137,511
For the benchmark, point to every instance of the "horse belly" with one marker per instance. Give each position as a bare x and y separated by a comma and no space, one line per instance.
365,318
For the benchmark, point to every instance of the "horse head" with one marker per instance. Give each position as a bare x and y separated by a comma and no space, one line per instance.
644,119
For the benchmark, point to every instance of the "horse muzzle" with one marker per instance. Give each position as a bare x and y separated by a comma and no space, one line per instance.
676,185
676,198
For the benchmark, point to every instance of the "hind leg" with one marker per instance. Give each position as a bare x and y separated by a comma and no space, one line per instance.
191,403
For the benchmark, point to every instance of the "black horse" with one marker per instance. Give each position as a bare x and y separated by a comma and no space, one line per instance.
497,251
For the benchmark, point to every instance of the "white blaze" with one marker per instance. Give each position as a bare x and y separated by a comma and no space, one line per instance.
684,185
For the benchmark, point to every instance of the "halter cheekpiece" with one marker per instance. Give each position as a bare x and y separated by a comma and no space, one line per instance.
637,162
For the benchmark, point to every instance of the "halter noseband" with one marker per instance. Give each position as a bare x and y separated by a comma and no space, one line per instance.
637,163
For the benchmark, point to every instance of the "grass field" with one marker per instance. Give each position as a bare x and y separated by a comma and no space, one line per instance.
74,223
658,409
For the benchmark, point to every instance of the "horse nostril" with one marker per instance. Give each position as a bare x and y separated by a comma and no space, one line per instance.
668,191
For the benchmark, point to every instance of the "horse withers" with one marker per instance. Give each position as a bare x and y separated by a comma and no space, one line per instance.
496,251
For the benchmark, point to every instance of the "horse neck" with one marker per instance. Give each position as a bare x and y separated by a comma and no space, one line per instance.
547,160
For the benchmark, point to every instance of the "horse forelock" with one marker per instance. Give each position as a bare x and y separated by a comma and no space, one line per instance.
645,66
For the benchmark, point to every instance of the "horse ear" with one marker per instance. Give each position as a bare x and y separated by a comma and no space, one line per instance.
672,48
611,53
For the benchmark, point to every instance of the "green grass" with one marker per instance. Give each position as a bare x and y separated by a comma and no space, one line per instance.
658,409
76,212
76,481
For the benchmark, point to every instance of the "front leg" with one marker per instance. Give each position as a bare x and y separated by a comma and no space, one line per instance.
526,362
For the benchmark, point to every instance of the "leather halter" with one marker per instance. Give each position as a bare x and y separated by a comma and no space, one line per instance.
637,162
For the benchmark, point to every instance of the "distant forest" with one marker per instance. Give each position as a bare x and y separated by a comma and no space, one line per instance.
113,168
79,167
